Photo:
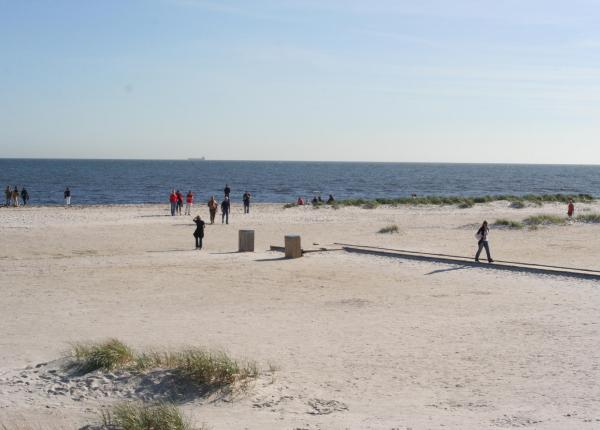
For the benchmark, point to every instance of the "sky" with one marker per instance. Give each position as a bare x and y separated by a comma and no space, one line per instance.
498,81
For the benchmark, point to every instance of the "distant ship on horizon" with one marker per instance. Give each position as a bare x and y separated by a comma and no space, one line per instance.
197,159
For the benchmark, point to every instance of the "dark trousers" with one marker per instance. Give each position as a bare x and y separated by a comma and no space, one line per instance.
483,244
198,241
246,208
225,217
173,208
213,212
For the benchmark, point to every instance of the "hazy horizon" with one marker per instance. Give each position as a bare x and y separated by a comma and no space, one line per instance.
384,81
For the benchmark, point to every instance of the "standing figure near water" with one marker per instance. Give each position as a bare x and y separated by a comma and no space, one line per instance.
570,209
24,196
212,208
179,201
67,196
226,191
246,199
189,201
15,197
225,207
482,235
199,232
173,201
8,195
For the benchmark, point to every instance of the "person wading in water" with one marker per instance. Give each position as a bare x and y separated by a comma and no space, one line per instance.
482,235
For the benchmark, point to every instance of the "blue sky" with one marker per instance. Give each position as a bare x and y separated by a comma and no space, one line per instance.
378,80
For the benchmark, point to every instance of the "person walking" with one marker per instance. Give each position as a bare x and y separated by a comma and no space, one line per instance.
226,191
67,196
212,208
482,241
199,232
173,201
24,196
8,195
570,209
225,207
15,197
246,199
179,202
189,201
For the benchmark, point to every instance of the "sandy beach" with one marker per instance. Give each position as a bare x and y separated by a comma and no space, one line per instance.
343,341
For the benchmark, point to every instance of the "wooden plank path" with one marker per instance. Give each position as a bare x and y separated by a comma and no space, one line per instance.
512,266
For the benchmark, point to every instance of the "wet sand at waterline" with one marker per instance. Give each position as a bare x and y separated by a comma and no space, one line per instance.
342,340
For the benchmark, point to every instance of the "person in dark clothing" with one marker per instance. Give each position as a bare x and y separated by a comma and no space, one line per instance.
179,201
24,196
226,191
246,199
67,196
330,200
225,207
482,237
199,232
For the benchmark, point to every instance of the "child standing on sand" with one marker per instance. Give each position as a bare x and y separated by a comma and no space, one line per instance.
570,209
189,201
482,235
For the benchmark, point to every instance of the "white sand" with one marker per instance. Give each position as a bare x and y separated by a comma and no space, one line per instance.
361,342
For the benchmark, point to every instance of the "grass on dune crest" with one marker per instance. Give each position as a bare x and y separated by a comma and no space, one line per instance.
194,365
502,222
544,219
589,218
389,229
139,416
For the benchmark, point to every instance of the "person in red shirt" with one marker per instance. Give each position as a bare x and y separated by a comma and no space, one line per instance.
570,209
189,201
173,200
179,201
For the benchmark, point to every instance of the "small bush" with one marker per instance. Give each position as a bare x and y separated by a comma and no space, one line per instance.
466,204
517,204
137,416
516,225
370,205
107,355
289,205
589,218
544,220
389,229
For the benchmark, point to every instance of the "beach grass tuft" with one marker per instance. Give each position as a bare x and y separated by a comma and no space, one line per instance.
589,218
544,219
389,229
515,225
517,204
108,355
139,416
289,205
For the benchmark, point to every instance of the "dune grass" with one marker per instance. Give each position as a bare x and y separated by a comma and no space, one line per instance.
107,355
588,218
389,229
466,202
544,219
514,225
517,204
194,365
289,205
139,416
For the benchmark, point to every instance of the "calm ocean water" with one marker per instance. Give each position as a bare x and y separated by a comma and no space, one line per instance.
149,181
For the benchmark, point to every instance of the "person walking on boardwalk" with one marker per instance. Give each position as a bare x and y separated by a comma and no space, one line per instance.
570,209
179,201
24,196
8,195
246,199
173,201
199,232
482,238
225,207
212,208
67,196
15,197
226,191
189,201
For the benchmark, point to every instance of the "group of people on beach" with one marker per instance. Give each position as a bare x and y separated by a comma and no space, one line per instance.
316,200
14,197
484,230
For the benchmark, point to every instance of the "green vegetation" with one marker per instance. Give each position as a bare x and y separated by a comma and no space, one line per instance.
589,218
137,416
517,204
289,205
194,365
516,225
465,202
108,355
544,219
389,229
370,205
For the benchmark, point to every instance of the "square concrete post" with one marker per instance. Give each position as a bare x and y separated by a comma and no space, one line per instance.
246,241
293,248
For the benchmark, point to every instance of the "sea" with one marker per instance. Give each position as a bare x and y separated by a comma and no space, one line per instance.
100,182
